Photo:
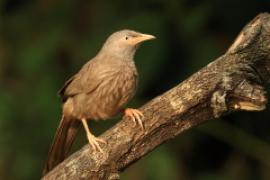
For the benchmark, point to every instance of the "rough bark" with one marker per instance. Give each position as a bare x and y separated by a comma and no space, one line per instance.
233,82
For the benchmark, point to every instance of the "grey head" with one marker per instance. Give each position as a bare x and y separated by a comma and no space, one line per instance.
123,44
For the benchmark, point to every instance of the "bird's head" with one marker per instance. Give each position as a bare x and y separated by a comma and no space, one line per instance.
124,43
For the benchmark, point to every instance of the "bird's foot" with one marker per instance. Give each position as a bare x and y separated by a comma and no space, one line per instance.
135,115
94,142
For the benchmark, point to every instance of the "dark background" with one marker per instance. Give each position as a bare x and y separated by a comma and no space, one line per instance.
42,43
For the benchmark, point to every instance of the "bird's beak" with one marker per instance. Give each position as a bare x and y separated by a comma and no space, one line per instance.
140,38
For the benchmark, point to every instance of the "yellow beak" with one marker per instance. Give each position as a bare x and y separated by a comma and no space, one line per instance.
140,38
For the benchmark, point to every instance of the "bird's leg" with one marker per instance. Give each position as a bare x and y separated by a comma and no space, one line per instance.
135,115
93,141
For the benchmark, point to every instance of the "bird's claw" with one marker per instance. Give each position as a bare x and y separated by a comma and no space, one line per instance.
135,115
94,142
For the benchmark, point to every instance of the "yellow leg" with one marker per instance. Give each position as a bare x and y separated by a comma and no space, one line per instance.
93,141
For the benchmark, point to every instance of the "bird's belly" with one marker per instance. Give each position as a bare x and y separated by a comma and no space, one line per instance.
108,99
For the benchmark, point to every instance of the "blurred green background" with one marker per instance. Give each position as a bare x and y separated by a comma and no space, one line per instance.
42,43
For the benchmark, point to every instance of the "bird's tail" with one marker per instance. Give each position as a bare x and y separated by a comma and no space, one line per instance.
64,137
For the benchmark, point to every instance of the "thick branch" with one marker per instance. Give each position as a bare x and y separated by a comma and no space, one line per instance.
232,82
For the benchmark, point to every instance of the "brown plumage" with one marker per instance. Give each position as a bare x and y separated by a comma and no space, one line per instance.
98,91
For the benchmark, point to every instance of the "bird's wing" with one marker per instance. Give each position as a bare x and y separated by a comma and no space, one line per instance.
94,73
61,92
84,81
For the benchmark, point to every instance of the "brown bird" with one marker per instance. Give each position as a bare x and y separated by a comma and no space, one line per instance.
98,91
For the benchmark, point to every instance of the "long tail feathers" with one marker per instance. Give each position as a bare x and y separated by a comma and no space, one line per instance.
64,137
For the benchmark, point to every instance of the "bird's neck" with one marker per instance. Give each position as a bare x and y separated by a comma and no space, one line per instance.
116,58
117,52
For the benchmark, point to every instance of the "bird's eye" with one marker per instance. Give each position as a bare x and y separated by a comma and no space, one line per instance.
126,38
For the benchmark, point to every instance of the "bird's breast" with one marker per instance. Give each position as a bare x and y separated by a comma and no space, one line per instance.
112,94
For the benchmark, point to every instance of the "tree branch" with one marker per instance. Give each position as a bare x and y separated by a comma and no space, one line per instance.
232,82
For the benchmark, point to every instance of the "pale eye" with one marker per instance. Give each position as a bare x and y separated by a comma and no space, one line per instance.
126,38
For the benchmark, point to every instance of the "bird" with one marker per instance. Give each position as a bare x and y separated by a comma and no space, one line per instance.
99,91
